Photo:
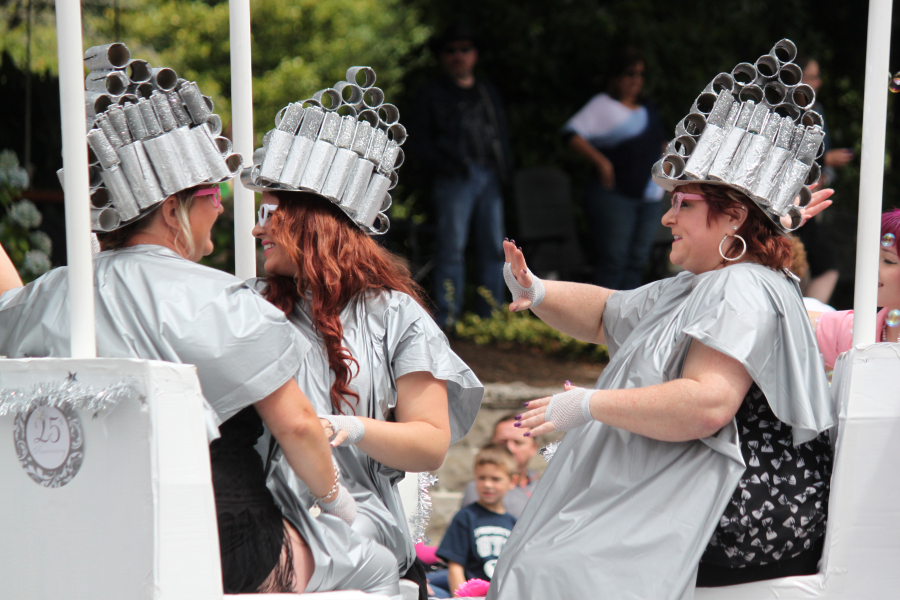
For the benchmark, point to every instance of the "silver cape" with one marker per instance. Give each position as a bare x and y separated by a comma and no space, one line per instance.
153,304
619,515
390,335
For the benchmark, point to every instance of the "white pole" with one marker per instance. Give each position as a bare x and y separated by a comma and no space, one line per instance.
75,162
242,132
871,174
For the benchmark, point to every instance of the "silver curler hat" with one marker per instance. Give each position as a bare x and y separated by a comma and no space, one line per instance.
342,144
752,130
146,147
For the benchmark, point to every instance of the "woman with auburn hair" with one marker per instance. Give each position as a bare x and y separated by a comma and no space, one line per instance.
385,382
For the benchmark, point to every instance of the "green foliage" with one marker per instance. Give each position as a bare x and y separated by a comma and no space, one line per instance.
28,248
507,329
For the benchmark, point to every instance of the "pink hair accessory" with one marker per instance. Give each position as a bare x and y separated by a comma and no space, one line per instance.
473,588
427,554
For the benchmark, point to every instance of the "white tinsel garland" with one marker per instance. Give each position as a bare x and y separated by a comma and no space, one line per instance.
418,522
67,393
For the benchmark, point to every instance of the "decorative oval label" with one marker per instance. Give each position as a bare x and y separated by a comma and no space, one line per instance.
49,444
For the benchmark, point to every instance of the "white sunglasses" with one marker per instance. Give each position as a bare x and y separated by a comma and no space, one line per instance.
265,211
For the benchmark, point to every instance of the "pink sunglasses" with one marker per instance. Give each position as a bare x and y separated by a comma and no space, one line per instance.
215,192
678,197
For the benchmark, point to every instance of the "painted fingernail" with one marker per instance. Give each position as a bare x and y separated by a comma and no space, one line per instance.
524,404
513,241
516,424
524,271
527,434
568,382
519,248
518,417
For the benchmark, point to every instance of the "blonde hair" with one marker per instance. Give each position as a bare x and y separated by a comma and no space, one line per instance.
184,202
497,454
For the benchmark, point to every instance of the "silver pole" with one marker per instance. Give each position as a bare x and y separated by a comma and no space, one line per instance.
871,175
77,180
242,132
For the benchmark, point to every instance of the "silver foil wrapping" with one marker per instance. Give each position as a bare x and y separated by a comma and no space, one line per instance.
343,163
362,138
109,131
122,197
113,83
291,120
746,174
104,219
149,117
119,121
190,155
163,111
135,122
103,150
302,146
374,199
163,78
96,102
178,110
794,177
215,163
138,71
194,102
214,124
721,167
139,171
323,152
704,154
107,57
355,192
167,163
279,146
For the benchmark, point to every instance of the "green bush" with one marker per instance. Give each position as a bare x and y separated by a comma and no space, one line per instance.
28,249
506,329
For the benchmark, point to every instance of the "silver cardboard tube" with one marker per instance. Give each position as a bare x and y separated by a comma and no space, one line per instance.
209,103
810,145
684,145
367,73
692,125
390,114
141,177
328,98
109,131
766,68
194,102
784,50
370,117
718,116
346,110
136,122
373,199
142,90
119,121
790,74
401,156
234,162
786,109
163,111
355,192
744,74
167,163
744,176
339,174
163,78
149,116
258,155
751,92
397,133
770,174
95,177
702,157
103,150
803,96
725,157
790,186
215,162
774,93
107,57
113,83
347,133
276,155
138,70
815,171
323,152
290,121
190,154
351,93
96,103
376,146
122,197
373,97
104,219
722,81
704,103
389,158
126,99
100,197
224,145
296,161
394,179
811,118
214,124
177,106
362,138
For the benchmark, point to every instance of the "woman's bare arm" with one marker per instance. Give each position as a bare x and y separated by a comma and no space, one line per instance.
9,277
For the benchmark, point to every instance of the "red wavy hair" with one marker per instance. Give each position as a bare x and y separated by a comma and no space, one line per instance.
336,263
765,244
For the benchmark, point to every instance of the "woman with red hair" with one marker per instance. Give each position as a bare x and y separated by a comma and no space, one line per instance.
389,389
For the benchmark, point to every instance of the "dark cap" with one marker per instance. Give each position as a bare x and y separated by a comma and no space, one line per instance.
456,32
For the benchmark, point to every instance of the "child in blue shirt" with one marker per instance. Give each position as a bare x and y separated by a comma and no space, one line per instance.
479,531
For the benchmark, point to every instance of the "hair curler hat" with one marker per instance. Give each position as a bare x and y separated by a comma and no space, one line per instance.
752,130
342,144
150,135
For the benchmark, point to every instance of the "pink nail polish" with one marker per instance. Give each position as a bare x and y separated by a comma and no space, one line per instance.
516,424
524,404
527,434
568,382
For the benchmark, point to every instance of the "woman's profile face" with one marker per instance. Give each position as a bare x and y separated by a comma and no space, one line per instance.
889,278
204,212
696,244
277,260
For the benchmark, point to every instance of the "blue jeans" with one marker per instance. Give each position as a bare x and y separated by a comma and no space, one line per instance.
462,203
621,232
439,583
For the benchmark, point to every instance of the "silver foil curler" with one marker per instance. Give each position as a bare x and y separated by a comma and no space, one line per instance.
774,93
322,154
163,111
276,155
397,133
786,109
141,90
784,50
214,124
302,146
373,199
194,103
191,157
141,177
258,155
95,179
329,98
394,180
692,125
102,148
803,96
683,146
772,171
215,162
355,191
789,187
725,157
704,103
107,57
96,103
362,138
346,110
766,68
790,75
224,145
163,78
136,122
119,121
122,197
746,174
104,219
290,121
100,197
178,109
390,114
343,163
109,131
722,81
367,74
704,154
209,104
751,92
234,162
812,178
373,97
743,74
350,92
113,83
718,116
370,117
126,99
811,118
389,157
149,117
376,146
167,163
138,70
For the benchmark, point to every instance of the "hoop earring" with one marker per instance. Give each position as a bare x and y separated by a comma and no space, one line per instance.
722,254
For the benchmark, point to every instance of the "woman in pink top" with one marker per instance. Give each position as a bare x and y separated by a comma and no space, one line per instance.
834,331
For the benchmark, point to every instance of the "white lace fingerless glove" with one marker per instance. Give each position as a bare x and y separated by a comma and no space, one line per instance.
352,425
535,293
343,506
571,409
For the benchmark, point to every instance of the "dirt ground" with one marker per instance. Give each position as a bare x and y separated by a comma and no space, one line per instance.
530,366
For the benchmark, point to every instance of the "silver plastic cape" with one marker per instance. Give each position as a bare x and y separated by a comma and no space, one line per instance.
151,303
619,515
390,335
